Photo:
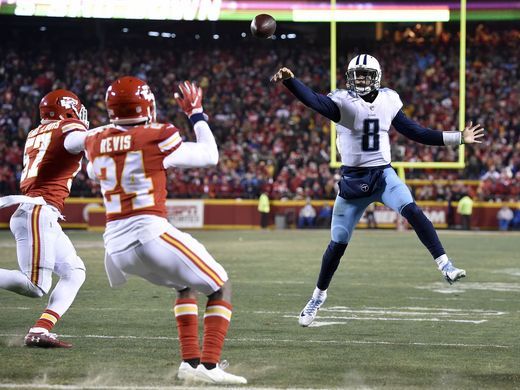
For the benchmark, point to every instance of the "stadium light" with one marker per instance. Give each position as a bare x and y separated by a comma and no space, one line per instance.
290,11
378,14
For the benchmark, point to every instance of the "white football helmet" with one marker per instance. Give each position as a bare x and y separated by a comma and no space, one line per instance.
363,74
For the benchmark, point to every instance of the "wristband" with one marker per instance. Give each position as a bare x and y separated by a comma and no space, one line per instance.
194,118
452,138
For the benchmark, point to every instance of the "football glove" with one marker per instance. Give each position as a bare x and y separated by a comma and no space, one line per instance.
190,98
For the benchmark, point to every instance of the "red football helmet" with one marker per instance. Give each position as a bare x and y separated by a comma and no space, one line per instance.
130,100
62,104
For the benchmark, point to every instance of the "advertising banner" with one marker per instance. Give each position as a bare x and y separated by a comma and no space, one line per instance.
185,213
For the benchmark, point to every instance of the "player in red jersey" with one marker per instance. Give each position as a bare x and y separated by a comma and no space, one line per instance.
52,157
129,158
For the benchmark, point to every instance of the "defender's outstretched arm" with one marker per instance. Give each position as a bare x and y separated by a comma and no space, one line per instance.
204,152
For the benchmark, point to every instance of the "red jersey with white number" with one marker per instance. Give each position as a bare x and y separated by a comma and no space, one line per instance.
128,162
48,167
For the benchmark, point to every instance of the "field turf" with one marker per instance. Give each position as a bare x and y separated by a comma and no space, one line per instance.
390,320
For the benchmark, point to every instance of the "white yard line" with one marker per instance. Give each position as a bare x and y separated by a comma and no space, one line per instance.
419,314
382,311
465,286
277,341
369,313
28,386
433,319
83,387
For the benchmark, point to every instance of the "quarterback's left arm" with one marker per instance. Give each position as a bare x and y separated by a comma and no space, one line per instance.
414,131
322,104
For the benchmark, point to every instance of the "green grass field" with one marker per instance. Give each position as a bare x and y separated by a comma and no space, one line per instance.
390,320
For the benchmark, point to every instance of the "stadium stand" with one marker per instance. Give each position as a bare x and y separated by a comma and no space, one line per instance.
268,141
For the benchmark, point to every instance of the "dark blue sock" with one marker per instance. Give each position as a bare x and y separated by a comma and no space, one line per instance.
329,264
424,229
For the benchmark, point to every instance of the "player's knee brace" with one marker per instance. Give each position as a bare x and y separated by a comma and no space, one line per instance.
340,235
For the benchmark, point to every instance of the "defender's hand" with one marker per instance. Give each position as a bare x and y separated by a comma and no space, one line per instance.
283,74
473,134
190,99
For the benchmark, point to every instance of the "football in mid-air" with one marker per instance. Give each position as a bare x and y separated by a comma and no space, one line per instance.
263,26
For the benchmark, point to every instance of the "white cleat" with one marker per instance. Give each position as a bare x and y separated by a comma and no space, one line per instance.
186,372
218,376
452,274
308,314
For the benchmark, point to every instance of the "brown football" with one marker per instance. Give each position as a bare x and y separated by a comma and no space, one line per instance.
263,26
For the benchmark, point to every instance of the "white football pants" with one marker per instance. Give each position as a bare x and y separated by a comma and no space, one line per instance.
173,259
43,248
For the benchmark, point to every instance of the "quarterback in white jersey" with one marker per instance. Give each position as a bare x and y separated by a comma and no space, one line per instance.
363,130
365,113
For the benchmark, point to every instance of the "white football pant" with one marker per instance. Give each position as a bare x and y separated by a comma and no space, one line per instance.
173,259
42,248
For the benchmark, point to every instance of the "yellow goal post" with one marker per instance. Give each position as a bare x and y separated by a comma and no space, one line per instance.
402,165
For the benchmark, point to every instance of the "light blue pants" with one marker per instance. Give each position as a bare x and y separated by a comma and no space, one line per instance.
347,213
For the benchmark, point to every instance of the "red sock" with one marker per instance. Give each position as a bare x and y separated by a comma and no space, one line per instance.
47,320
216,324
186,315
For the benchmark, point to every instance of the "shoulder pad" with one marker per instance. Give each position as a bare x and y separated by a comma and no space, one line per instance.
342,93
170,139
67,125
388,91
97,130
156,126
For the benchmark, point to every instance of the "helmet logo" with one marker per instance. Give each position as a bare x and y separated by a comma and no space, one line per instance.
68,102
364,187
147,93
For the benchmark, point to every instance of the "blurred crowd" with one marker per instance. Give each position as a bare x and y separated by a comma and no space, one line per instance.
268,141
